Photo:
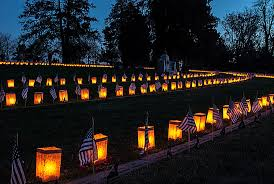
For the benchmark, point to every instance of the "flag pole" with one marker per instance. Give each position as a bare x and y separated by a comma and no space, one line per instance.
93,168
17,139
3,96
213,120
188,135
26,102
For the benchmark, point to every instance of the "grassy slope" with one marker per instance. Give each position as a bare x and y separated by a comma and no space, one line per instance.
65,125
241,157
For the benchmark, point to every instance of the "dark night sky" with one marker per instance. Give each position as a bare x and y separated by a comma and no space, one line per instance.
10,10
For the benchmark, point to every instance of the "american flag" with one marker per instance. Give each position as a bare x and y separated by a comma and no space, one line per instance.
117,87
89,78
125,76
256,107
188,124
78,90
144,86
17,171
155,75
140,75
39,79
146,133
217,117
233,112
25,93
158,85
99,87
56,79
53,93
244,106
2,95
24,79
88,150
132,86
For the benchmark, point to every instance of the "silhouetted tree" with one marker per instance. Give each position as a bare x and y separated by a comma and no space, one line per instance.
241,30
265,11
58,27
186,29
6,46
127,34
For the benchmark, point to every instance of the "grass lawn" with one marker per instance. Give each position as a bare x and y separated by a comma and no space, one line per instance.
66,125
244,156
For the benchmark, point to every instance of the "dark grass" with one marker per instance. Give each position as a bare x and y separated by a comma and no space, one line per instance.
244,156
65,125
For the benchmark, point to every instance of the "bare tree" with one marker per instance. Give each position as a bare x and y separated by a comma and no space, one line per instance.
241,30
265,11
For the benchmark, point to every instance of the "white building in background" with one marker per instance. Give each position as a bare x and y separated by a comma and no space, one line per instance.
165,64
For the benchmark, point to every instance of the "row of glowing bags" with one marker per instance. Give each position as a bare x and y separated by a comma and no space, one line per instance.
62,81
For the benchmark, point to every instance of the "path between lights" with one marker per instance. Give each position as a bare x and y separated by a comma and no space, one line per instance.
150,159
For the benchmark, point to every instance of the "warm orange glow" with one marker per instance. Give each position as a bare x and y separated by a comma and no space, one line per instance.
180,85
85,94
200,119
103,92
249,105
209,81
62,81
10,99
165,77
174,132
141,137
260,102
38,98
93,80
169,77
148,78
143,90
102,146
31,82
209,117
48,163
265,102
113,78
140,78
10,83
124,78
164,87
63,95
271,97
152,88
104,79
133,78
200,83
156,77
120,91
131,91
173,86
79,81
194,84
49,82
225,116
205,82
188,84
